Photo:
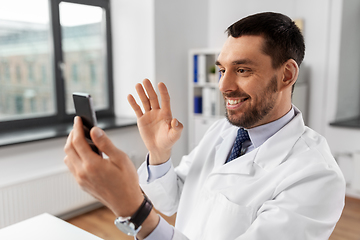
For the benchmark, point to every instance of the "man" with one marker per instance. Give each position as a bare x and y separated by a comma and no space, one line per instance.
259,174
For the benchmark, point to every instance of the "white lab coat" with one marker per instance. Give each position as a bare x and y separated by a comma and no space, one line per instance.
288,188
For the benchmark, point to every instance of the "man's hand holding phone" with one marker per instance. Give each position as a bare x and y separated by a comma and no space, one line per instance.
114,181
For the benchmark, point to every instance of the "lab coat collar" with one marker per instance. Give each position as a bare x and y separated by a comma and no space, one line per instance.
260,134
269,155
238,166
275,150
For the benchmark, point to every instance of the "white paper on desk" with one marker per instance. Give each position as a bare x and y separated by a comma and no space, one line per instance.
45,227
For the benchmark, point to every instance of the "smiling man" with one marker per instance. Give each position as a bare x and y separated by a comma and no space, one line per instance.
258,174
250,85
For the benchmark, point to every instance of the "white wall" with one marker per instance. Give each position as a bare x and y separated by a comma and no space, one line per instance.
223,13
344,53
151,40
133,48
348,104
179,26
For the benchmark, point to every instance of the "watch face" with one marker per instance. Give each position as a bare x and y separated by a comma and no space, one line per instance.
127,227
132,225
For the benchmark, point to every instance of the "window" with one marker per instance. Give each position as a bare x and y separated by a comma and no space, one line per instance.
93,77
19,104
18,73
30,72
48,50
44,76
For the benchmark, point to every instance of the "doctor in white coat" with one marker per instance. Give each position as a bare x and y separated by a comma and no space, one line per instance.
283,183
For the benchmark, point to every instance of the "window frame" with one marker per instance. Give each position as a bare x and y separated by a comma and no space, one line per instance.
61,117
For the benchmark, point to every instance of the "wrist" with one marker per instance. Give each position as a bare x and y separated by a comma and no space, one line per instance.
159,158
131,207
142,218
149,225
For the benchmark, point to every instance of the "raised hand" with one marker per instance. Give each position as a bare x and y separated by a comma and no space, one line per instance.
158,129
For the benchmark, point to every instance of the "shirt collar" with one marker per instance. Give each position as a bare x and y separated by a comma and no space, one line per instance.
258,135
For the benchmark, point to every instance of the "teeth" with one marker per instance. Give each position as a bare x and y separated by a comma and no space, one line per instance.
233,102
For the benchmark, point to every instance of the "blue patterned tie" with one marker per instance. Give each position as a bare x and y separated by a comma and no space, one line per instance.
242,136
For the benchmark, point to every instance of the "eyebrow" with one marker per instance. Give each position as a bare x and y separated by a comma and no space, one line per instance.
238,62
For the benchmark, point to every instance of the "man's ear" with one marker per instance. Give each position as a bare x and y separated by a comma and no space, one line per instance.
290,73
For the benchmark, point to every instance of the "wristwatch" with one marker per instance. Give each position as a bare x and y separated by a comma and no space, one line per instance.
132,225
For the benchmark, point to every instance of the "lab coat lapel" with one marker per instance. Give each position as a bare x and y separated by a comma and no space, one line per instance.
275,150
223,148
240,165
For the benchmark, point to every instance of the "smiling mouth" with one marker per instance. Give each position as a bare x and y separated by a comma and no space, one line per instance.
234,102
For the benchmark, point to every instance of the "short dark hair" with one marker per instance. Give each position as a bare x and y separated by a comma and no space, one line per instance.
283,39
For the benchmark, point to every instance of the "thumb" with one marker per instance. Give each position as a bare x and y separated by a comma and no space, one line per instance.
177,128
103,142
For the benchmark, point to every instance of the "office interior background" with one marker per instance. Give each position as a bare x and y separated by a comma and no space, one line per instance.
151,39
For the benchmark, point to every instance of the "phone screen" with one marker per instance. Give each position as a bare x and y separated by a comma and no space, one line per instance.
84,109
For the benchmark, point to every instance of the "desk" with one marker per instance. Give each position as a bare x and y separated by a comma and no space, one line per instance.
44,227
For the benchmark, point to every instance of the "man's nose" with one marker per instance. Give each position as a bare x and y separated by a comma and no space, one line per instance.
227,83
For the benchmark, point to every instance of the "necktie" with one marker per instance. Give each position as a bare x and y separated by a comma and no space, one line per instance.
242,136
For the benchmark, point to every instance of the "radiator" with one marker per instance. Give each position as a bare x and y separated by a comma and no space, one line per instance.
57,194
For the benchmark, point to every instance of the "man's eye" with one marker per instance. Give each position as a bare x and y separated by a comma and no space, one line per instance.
221,71
244,72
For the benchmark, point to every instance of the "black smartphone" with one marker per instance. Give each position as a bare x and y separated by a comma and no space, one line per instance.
84,109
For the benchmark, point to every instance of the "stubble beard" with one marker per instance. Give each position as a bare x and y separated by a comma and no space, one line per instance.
256,113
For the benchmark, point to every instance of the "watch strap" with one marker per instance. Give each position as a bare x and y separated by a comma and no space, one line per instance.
142,213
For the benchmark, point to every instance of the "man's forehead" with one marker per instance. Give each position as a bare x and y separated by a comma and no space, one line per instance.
242,49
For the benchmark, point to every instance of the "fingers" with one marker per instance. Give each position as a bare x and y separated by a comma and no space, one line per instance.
165,97
177,128
142,95
72,159
102,141
176,124
69,150
153,98
134,106
149,98
79,143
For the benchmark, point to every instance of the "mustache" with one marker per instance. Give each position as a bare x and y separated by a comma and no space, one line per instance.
236,95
